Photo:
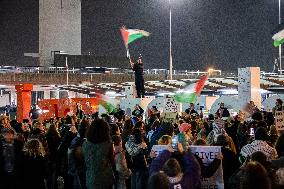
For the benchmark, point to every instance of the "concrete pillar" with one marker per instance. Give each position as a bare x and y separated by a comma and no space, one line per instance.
13,97
72,94
24,101
59,28
249,86
63,94
81,95
54,94
46,94
4,100
130,91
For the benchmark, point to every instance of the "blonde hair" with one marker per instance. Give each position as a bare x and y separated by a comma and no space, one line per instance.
34,147
164,140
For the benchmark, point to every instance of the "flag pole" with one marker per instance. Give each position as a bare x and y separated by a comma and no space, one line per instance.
67,75
171,57
280,54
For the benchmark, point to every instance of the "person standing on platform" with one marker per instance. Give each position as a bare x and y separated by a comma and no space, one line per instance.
139,78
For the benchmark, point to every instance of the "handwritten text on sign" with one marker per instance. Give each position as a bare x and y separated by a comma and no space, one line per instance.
207,154
279,120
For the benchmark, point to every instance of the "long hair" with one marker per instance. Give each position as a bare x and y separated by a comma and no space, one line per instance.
172,167
158,180
52,131
255,176
34,148
164,140
98,132
128,127
138,137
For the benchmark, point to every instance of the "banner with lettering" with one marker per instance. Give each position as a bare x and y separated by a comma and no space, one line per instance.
279,120
207,154
159,148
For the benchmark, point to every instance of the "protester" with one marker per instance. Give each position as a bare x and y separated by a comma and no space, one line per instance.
191,110
222,111
158,180
76,163
278,106
122,171
53,141
138,111
10,150
33,165
138,69
259,144
98,154
137,149
254,176
79,161
188,178
230,162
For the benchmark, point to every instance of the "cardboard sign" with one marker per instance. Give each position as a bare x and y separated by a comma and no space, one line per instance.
279,120
207,154
159,148
170,105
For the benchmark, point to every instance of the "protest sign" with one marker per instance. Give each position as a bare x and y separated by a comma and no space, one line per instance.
279,120
159,148
207,154
170,105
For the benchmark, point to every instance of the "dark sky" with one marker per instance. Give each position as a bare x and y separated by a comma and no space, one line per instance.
224,34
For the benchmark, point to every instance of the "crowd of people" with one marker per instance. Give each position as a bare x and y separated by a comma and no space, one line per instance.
114,151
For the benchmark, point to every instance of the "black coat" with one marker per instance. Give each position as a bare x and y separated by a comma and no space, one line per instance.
32,171
230,163
17,148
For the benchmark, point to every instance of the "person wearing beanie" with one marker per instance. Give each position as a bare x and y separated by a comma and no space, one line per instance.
259,144
184,137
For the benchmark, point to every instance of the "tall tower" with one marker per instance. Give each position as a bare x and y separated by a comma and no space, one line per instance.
249,86
59,28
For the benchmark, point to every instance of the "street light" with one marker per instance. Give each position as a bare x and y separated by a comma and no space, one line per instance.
171,58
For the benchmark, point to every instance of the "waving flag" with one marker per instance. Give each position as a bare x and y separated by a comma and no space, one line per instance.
130,35
191,92
107,103
278,35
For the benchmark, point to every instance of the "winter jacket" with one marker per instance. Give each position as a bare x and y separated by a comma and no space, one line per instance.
17,154
230,163
120,163
190,178
98,161
75,163
33,171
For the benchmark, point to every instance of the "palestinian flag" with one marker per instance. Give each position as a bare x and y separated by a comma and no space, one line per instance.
108,106
191,92
107,103
278,35
130,35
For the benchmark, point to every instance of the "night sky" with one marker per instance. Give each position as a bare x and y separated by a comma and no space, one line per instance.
224,34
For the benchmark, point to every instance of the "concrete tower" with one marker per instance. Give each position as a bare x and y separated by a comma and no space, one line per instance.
59,28
249,86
